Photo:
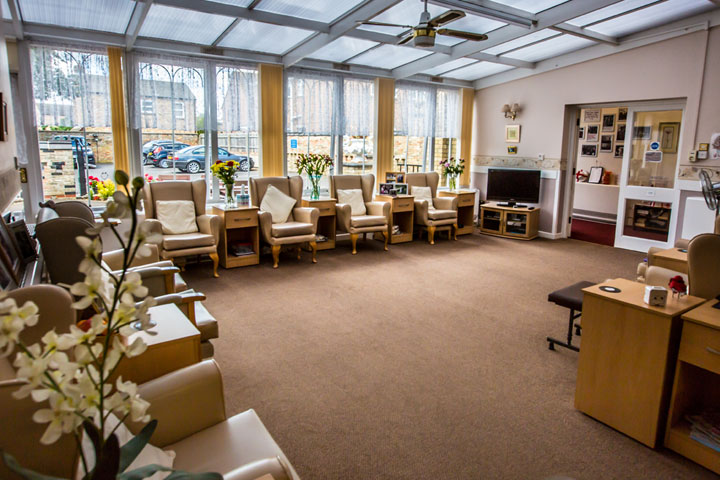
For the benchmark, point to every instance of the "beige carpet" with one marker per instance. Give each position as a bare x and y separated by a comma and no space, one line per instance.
425,362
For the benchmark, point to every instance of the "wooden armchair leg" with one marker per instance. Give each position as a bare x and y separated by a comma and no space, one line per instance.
298,251
215,260
454,229
276,255
353,241
431,235
387,237
313,247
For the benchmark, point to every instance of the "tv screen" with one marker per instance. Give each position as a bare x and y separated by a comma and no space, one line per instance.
505,185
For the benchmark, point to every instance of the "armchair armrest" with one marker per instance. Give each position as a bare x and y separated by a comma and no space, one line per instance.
114,258
660,277
159,280
155,225
421,212
265,220
343,212
378,208
307,215
183,402
254,470
185,301
445,203
682,243
209,224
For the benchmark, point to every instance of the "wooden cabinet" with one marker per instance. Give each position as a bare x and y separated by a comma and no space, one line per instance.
652,218
465,209
239,236
402,211
627,358
696,388
510,222
326,223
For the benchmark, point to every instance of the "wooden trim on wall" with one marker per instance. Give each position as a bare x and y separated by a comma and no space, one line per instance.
384,126
117,106
271,120
467,97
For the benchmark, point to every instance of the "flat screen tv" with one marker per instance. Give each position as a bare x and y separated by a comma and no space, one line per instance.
513,185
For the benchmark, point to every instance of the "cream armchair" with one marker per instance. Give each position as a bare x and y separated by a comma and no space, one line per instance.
377,214
298,228
433,213
204,240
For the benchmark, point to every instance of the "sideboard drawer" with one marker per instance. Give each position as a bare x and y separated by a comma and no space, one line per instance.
241,219
403,205
700,345
466,200
327,209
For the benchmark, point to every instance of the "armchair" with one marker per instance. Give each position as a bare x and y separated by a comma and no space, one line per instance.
299,227
704,265
377,214
432,212
202,241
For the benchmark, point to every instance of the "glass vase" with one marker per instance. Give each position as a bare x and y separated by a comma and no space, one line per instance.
452,181
230,201
315,186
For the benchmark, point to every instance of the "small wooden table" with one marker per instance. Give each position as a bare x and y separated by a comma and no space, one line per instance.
173,343
627,358
504,221
238,225
465,209
326,223
402,214
672,258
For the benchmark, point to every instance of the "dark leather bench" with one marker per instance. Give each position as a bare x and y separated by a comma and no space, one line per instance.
569,297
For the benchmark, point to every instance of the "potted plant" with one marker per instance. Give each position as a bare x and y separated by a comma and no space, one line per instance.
452,169
225,171
314,165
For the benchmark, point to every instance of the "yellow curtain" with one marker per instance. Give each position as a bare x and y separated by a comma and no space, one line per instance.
384,125
271,120
117,105
466,101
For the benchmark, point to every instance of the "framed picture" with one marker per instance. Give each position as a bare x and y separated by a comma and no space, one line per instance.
704,147
596,174
622,114
620,136
512,150
395,177
642,133
23,240
619,151
512,133
606,143
3,119
12,256
581,133
588,150
669,135
608,123
385,188
592,115
592,133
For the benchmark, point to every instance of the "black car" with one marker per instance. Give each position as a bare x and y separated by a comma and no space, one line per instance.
161,156
151,145
192,159
79,144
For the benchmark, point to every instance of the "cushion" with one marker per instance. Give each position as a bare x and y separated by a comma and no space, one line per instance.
441,214
187,240
368,221
571,296
277,203
291,229
423,193
176,216
355,199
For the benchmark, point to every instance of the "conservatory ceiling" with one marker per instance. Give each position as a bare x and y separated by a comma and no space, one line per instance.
524,36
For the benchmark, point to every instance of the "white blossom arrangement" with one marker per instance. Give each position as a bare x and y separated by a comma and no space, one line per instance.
72,371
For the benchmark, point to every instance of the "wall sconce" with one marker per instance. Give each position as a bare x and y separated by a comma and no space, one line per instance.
511,112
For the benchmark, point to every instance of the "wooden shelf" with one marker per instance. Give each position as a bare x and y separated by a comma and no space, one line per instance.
402,209
465,209
509,222
238,225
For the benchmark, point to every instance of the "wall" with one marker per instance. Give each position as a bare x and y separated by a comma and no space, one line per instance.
9,183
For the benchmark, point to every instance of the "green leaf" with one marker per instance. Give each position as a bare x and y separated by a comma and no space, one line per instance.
26,473
108,462
143,472
132,449
181,475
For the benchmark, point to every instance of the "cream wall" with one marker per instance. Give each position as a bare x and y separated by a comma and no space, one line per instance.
9,184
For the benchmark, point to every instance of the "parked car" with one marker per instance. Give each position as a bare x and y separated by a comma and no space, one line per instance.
84,146
151,145
161,156
192,159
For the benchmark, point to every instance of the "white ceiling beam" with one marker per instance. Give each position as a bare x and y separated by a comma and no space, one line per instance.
135,24
553,16
502,60
17,25
226,32
586,34
492,10
341,27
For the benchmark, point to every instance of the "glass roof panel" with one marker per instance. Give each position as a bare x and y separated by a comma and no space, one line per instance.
6,10
319,10
406,12
446,67
651,17
178,24
389,56
550,48
343,48
475,24
521,42
478,70
609,11
238,3
264,37
532,6
104,15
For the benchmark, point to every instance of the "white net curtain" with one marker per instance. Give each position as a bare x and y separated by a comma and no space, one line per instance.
426,111
237,99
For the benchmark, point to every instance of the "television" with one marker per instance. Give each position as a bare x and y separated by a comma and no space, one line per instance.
513,185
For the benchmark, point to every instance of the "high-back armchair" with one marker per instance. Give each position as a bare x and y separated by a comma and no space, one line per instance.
362,215
283,221
202,236
704,265
432,212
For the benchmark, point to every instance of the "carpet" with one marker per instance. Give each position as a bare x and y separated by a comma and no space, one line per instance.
424,362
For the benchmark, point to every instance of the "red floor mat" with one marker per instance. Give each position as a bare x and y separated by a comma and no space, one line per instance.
595,232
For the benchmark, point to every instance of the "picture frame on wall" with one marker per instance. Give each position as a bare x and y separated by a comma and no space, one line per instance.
620,135
669,136
3,119
622,115
606,143
596,174
619,151
608,122
591,115
581,133
642,132
588,150
512,150
395,177
512,133
592,132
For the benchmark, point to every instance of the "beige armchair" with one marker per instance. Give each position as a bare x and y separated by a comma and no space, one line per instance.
377,214
204,241
704,265
434,213
301,224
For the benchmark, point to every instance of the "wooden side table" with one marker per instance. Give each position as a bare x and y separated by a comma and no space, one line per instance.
238,226
521,223
173,343
402,214
627,358
326,223
672,258
465,209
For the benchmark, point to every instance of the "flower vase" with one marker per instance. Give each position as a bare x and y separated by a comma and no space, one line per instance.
315,186
452,181
230,201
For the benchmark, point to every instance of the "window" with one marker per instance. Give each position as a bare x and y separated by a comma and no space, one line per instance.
179,110
148,107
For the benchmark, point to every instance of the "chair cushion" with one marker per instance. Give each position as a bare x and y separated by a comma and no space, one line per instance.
176,216
440,214
354,198
291,229
423,193
571,296
187,240
277,203
368,220
206,323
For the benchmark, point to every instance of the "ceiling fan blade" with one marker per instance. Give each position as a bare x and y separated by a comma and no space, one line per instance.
446,17
477,37
405,39
383,24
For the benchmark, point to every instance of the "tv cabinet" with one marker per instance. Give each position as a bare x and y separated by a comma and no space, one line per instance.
510,222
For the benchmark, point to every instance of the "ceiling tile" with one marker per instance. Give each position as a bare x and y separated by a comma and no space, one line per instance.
319,10
451,65
264,37
181,25
390,56
103,15
550,48
609,11
343,48
521,42
478,70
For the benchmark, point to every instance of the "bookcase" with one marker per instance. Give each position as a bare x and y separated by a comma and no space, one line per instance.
511,222
651,217
402,209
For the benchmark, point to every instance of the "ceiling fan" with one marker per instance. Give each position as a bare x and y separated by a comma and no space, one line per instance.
423,34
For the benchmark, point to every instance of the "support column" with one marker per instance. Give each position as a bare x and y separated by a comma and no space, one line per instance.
467,97
271,120
117,104
384,126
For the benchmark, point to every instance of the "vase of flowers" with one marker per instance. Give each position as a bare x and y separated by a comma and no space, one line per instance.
452,169
314,165
71,372
225,172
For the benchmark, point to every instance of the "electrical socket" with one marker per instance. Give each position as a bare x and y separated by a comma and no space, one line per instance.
692,156
541,157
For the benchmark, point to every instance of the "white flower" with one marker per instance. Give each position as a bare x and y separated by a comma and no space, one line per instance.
118,207
132,286
61,417
96,284
53,341
30,369
86,354
93,250
13,320
137,347
132,403
145,235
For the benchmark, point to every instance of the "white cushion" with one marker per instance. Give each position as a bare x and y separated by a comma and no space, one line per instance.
423,193
176,216
278,204
355,199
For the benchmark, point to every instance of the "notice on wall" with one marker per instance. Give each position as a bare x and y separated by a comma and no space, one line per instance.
715,146
293,143
653,156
